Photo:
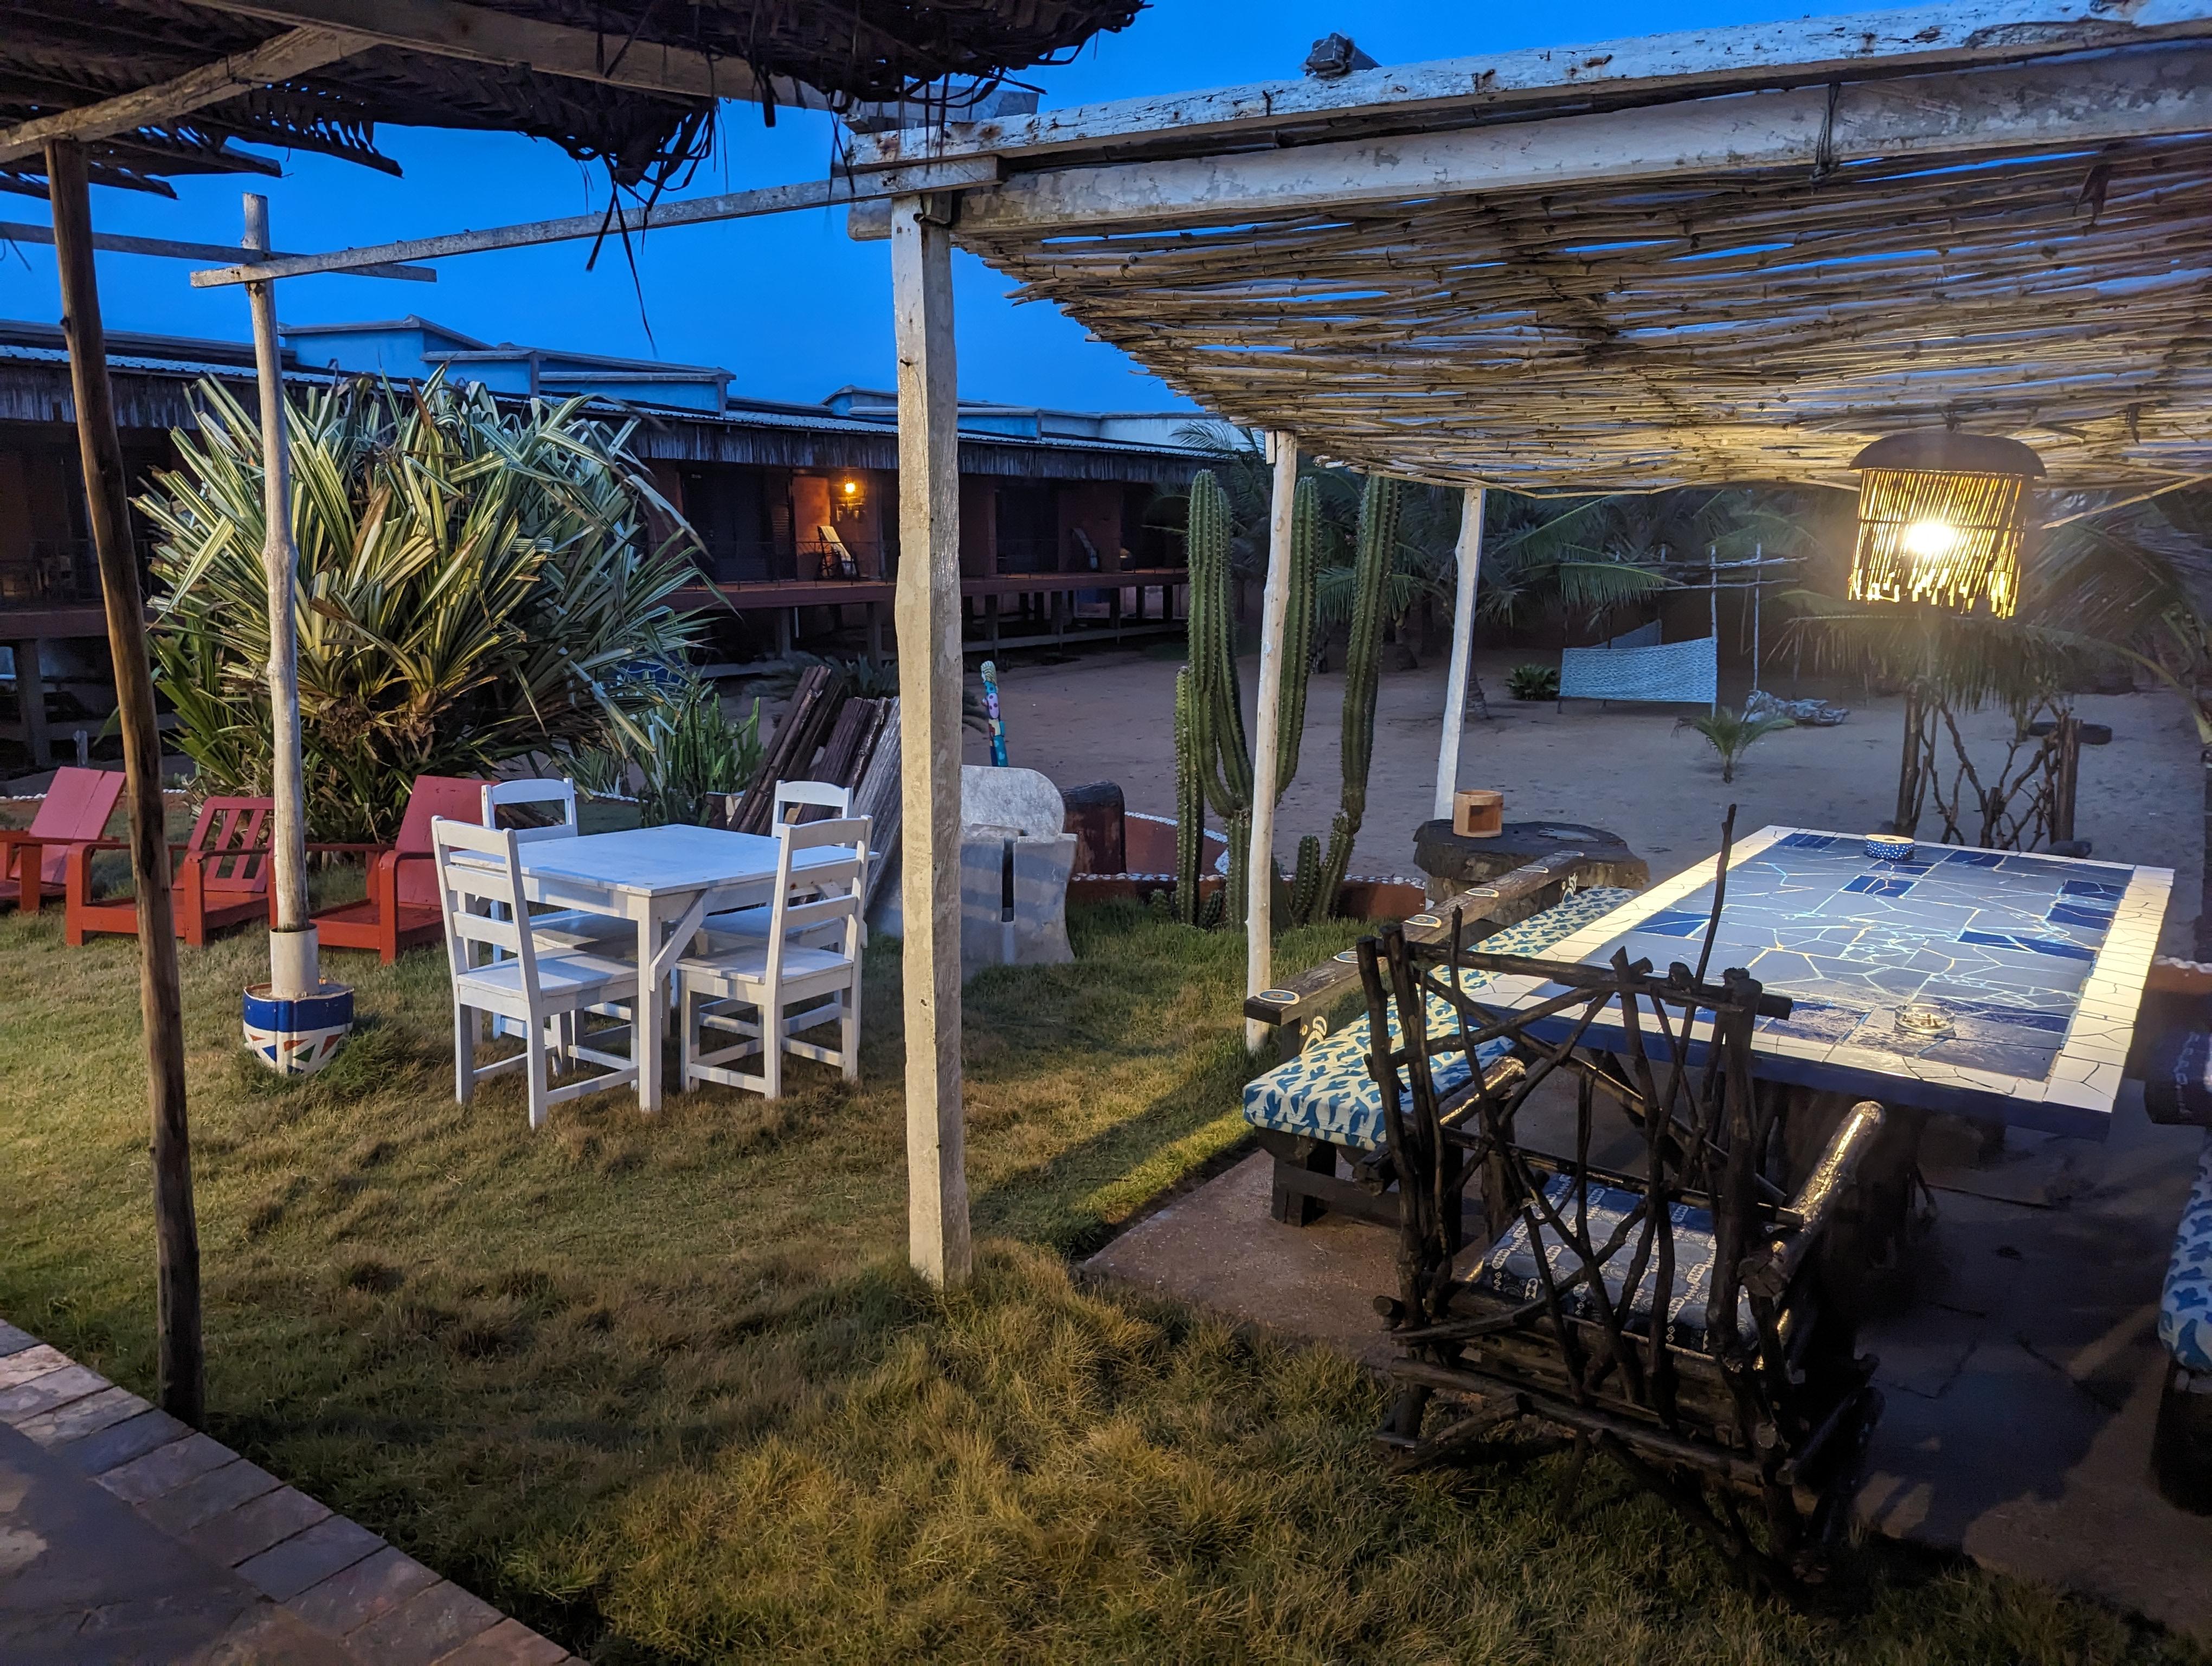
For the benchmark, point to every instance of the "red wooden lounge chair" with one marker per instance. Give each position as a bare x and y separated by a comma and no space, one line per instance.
222,878
33,859
402,908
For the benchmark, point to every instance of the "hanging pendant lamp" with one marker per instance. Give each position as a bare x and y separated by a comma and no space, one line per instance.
1943,519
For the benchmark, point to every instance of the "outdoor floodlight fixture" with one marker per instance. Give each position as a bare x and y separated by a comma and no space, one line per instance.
1943,519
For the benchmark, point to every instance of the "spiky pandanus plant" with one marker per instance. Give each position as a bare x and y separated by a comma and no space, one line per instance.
1213,756
1363,667
469,580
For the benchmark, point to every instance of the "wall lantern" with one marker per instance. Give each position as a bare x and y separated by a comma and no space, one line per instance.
848,490
1942,519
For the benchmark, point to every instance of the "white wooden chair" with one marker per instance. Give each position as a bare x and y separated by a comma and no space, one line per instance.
540,988
789,967
792,798
568,928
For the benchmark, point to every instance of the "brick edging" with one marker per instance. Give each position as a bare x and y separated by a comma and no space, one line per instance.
334,1575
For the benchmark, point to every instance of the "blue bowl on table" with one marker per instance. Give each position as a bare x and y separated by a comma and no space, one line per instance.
1888,848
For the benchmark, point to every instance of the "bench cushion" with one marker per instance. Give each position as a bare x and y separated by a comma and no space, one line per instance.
1326,1093
2185,1312
2178,1078
1510,1270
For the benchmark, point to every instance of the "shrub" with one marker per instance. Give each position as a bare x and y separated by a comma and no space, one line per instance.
470,580
1731,735
1533,681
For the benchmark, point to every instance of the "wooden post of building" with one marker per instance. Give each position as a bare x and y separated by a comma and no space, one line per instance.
178,1372
1267,711
31,701
293,968
928,626
1462,649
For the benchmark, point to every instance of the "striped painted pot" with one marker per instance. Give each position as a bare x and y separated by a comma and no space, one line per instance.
298,1037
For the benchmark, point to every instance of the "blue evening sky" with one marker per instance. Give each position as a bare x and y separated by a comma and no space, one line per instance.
790,304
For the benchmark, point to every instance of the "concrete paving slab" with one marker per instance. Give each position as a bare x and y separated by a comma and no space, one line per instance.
125,1537
2022,1383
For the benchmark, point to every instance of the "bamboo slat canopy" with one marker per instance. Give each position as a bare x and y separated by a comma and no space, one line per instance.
631,82
1737,256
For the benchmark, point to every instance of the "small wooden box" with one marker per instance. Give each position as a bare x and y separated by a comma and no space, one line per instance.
1478,813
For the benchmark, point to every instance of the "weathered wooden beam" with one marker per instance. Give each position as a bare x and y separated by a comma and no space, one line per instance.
448,29
2161,91
1267,713
178,1367
289,54
1469,553
1686,64
928,626
1311,994
698,210
19,231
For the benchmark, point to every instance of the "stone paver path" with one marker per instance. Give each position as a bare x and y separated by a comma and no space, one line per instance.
125,1537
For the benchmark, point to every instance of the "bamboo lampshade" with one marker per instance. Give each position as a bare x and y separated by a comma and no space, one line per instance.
1942,519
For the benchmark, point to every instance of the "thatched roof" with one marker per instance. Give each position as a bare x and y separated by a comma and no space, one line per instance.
62,55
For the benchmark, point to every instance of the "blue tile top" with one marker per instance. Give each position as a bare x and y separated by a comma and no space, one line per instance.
2037,964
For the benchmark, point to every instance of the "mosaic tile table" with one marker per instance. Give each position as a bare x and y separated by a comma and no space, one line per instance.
2038,961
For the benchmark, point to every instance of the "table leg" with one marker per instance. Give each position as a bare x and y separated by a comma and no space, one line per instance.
646,1025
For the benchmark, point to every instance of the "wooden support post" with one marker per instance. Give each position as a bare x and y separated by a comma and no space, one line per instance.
178,1372
293,963
1462,649
31,697
1267,711
928,625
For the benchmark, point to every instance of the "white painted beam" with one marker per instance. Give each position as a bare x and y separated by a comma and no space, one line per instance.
291,54
2161,90
576,227
1267,713
1686,64
19,231
1462,649
927,610
293,971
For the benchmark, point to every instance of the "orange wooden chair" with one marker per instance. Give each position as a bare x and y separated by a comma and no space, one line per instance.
403,908
34,859
222,877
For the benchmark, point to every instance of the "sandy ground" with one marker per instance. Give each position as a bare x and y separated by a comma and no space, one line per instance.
1109,717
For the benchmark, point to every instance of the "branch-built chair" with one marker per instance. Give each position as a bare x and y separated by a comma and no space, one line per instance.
1670,1316
34,859
765,977
401,910
222,877
542,988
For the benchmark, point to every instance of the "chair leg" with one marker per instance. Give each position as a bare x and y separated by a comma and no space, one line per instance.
687,1039
772,1044
466,1020
849,1027
538,1084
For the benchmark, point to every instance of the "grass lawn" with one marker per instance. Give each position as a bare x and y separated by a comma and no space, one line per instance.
665,1390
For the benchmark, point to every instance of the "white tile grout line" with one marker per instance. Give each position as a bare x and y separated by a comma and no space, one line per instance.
337,1576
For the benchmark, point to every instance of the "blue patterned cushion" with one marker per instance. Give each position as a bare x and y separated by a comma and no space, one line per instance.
1509,1268
1325,1091
2184,1314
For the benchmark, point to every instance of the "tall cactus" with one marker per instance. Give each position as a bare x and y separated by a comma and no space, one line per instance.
1190,804
1362,666
1213,754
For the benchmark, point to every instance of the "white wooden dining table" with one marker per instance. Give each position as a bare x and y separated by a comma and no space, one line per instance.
665,880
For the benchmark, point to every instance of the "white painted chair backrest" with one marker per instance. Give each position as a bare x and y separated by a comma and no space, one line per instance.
481,864
544,790
792,798
810,895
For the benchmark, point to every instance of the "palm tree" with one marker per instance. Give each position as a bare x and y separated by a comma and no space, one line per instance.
471,581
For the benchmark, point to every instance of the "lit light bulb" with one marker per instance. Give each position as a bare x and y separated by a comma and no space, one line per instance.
852,487
1926,540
